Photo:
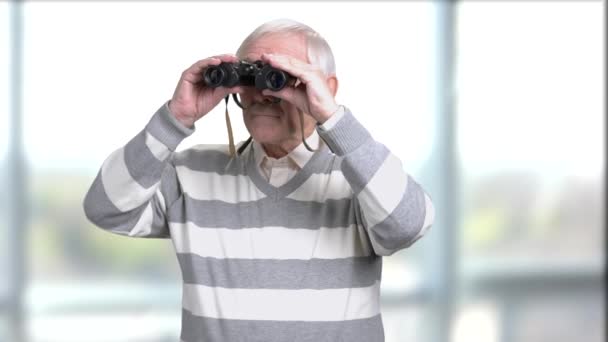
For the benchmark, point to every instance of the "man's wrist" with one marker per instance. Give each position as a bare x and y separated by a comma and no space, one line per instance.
328,114
332,119
186,122
346,135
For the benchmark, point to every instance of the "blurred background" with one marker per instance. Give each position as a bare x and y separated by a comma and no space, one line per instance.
496,108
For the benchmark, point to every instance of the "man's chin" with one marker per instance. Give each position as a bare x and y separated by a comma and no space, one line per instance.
265,135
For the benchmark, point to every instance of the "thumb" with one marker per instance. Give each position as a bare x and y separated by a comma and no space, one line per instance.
220,93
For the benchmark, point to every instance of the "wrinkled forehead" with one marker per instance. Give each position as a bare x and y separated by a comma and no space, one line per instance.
293,45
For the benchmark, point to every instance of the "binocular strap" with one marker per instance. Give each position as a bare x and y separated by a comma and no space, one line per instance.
229,126
302,129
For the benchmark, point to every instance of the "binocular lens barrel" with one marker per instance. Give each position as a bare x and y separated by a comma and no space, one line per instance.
275,80
214,76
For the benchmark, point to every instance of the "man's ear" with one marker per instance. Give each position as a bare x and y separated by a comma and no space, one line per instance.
332,82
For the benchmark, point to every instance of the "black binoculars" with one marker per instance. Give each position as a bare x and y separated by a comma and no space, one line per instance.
262,76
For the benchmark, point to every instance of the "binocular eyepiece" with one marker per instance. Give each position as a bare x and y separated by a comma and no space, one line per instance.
262,76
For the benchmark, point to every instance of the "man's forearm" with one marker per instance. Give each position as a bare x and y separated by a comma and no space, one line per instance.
126,196
394,208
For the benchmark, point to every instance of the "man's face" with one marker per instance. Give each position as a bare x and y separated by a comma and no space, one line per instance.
267,122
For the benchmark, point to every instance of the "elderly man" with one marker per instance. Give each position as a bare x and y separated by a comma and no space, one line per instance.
282,241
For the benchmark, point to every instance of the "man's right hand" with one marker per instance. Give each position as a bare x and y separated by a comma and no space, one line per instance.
192,99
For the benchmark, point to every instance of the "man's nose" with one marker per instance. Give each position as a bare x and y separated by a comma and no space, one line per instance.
258,97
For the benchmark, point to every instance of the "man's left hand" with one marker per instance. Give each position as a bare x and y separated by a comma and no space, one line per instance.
312,95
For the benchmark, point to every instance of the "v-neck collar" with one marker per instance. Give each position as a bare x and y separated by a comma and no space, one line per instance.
299,155
298,179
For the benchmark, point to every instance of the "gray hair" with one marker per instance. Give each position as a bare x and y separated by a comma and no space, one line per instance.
318,51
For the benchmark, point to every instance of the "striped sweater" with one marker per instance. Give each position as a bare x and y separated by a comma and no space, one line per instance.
299,262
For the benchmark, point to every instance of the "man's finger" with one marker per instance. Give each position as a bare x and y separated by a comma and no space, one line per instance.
293,66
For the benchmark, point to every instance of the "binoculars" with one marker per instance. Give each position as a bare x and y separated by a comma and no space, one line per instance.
262,76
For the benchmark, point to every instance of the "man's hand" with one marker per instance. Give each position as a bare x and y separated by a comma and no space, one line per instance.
313,94
192,99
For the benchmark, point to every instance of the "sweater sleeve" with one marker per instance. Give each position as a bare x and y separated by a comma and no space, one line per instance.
394,208
137,183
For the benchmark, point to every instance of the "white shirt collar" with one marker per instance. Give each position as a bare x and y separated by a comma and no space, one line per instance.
299,155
